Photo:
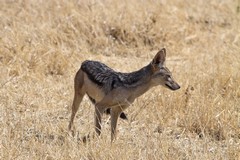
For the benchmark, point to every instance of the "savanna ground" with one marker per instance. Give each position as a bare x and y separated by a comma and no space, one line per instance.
42,44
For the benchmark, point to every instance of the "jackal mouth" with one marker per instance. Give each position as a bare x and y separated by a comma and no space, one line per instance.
169,86
172,87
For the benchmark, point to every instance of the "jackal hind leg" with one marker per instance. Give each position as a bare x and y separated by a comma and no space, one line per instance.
75,106
78,96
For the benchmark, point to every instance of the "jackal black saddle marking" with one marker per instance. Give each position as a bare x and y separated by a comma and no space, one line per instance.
106,77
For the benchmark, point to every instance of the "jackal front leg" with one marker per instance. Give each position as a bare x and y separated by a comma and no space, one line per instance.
98,118
115,112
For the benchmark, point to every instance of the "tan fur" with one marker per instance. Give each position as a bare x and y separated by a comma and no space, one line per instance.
92,89
117,90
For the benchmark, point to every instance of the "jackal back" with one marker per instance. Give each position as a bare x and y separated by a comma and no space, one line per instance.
108,79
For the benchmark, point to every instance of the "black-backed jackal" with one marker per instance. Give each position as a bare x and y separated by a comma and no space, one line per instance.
115,91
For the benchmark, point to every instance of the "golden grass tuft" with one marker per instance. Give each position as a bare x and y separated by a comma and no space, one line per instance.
42,44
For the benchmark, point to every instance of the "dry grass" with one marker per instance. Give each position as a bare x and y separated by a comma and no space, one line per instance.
42,44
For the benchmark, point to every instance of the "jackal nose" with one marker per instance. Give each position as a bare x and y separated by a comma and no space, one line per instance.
172,86
176,86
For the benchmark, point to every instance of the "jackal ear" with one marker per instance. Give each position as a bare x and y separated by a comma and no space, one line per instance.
160,57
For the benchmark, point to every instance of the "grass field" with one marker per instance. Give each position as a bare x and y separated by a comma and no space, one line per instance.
42,45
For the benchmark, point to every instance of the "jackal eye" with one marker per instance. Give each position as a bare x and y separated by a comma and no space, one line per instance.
168,76
161,70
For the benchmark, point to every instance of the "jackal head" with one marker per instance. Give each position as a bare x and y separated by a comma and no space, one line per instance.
161,74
